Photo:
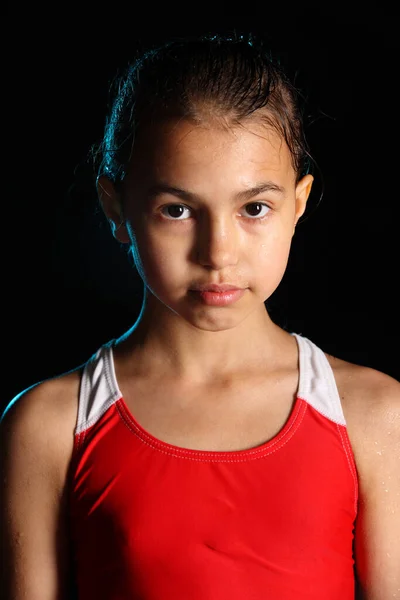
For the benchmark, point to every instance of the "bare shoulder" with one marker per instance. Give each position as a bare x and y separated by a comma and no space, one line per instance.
371,405
53,396
42,419
363,387
37,435
353,375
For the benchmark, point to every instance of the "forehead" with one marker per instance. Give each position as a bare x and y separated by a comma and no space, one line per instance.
180,149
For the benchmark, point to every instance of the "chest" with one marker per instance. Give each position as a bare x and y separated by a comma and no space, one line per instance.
235,415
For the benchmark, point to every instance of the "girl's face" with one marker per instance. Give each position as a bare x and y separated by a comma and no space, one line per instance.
204,204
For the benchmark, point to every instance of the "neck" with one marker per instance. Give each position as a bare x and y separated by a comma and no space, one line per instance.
166,344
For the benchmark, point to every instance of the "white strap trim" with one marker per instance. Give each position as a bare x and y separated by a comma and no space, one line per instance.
98,389
317,385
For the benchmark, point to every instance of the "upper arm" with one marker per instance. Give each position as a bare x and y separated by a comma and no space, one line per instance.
33,503
377,527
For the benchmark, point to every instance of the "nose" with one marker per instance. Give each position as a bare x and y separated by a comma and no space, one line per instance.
217,242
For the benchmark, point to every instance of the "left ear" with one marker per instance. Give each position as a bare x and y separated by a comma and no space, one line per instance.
303,189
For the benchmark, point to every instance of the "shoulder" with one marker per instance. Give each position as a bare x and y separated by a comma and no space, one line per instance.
371,405
353,378
36,446
51,398
41,421
370,401
362,388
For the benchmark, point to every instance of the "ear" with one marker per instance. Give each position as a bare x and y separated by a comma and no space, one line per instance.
111,204
303,189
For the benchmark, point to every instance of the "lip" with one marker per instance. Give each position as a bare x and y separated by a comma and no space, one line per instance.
211,298
211,287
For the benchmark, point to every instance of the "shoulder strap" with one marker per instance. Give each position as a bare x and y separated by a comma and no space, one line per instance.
317,385
98,390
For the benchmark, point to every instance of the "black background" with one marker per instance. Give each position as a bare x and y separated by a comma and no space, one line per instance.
70,287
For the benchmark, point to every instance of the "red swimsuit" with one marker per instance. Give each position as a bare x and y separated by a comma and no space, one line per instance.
153,521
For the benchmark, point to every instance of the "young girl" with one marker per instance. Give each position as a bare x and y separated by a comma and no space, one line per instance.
207,454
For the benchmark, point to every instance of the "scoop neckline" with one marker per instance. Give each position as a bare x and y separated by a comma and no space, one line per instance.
287,430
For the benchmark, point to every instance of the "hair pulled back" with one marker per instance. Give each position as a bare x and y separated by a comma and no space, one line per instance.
227,79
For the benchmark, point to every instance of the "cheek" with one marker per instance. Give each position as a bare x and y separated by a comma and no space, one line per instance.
271,260
274,250
276,238
160,259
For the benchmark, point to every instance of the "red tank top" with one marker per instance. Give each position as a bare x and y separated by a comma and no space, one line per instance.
154,521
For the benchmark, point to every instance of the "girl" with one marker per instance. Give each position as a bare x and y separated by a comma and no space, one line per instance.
208,453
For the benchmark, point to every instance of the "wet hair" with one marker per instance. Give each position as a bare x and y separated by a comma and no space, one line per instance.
226,79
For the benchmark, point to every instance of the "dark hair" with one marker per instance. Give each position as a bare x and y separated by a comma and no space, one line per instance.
227,78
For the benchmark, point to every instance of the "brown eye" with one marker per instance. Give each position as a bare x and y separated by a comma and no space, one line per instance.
174,211
255,210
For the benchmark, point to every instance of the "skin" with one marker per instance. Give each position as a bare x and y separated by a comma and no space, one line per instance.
182,341
216,238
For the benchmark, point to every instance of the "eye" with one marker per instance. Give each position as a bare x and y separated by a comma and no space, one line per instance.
255,208
175,212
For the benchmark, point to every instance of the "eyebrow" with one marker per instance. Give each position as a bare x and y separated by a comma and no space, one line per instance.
244,195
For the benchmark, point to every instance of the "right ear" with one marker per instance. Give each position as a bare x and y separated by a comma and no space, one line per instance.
111,204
